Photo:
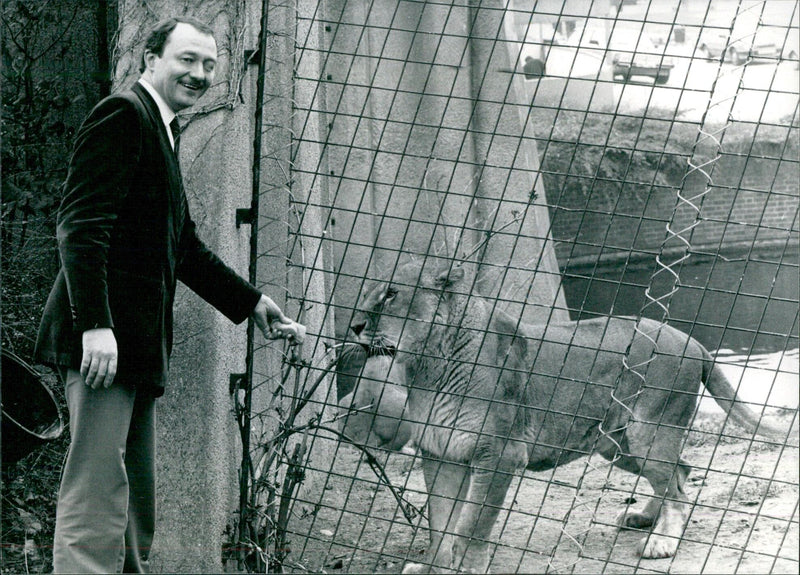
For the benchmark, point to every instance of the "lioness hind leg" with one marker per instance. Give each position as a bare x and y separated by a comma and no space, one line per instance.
654,453
666,513
631,518
668,479
663,540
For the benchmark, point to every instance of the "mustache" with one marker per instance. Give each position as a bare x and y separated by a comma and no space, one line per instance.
195,84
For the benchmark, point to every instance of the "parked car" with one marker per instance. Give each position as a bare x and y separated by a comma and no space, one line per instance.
791,48
626,47
617,5
641,58
766,43
534,68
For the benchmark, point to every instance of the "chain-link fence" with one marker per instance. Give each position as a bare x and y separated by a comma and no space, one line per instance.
475,188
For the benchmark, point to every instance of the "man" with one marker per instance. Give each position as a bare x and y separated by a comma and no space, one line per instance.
125,237
533,68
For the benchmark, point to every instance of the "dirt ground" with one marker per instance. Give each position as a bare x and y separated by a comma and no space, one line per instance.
744,519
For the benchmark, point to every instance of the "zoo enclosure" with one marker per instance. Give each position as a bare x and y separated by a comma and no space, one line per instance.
414,130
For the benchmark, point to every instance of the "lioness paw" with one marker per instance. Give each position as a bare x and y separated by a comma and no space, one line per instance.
658,546
634,520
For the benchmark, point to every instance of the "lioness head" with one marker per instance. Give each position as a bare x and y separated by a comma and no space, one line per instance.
396,316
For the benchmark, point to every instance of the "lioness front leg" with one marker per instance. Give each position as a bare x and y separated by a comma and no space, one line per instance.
487,492
447,485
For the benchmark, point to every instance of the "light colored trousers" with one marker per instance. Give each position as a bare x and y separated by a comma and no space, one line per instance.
106,509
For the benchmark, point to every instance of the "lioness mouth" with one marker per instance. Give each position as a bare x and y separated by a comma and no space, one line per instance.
377,349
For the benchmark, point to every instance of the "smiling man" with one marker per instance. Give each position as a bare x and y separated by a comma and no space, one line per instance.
179,64
125,238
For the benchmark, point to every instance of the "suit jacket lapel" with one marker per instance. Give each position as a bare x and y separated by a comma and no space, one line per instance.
176,198
158,124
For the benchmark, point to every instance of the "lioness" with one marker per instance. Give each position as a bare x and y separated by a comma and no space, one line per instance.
489,396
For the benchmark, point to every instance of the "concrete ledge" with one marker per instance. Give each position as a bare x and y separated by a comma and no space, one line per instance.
597,263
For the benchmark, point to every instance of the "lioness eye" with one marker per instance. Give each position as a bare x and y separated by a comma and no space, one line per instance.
390,293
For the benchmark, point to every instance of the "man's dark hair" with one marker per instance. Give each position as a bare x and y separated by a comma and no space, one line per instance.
158,36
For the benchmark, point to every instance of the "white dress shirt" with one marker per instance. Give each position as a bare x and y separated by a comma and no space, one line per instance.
167,115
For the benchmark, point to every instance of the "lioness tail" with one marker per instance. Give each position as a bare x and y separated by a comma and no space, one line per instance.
724,394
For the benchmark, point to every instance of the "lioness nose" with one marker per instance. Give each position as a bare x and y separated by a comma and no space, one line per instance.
358,327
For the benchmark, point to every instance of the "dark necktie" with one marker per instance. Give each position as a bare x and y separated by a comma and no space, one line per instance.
179,207
176,135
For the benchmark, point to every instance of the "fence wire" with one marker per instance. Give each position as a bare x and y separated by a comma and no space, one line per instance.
539,163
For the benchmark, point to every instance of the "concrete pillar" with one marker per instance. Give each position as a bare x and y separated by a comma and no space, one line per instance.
430,148
519,264
398,149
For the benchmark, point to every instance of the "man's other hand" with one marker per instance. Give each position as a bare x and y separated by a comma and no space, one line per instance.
99,363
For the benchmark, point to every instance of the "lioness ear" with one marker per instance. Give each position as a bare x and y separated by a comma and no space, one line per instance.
450,277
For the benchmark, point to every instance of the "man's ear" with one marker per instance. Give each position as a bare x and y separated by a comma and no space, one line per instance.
149,57
450,277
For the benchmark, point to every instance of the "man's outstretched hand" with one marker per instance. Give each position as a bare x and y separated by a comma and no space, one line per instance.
274,324
100,355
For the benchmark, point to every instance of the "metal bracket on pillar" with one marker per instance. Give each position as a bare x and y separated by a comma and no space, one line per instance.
236,382
251,57
244,216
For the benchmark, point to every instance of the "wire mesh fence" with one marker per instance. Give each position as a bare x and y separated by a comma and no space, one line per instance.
474,189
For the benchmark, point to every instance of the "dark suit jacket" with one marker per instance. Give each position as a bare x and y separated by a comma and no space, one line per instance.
125,237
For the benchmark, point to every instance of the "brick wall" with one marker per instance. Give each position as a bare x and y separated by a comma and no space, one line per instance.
753,201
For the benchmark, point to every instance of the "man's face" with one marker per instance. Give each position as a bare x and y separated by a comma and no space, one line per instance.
185,70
